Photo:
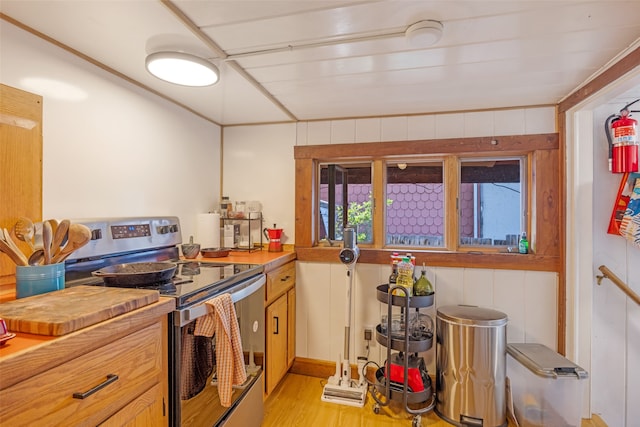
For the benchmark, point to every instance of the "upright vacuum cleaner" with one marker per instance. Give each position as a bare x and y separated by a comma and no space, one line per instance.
340,387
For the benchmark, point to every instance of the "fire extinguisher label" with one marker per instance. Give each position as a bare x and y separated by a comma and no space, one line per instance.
625,135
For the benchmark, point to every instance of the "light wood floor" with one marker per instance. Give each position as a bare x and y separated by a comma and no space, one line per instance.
296,402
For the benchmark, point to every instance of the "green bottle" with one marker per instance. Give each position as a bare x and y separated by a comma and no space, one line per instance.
523,246
423,285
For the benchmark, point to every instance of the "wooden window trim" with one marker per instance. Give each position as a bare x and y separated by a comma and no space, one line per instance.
542,149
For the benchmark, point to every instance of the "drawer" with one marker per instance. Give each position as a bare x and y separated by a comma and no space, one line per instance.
48,398
280,281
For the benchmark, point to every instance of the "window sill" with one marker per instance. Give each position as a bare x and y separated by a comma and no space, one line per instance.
494,260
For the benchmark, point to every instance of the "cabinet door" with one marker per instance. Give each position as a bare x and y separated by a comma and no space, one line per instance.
291,323
20,168
276,341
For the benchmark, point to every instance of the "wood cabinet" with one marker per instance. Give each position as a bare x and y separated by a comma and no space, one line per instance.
280,323
20,169
276,342
112,373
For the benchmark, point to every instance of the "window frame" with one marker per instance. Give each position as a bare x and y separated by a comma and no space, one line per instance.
543,184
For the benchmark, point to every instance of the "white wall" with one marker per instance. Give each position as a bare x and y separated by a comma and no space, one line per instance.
528,298
603,325
258,165
615,317
111,148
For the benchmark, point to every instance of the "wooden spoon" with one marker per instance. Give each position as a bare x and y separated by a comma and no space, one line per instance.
54,226
16,257
25,230
61,232
9,247
46,241
79,235
36,257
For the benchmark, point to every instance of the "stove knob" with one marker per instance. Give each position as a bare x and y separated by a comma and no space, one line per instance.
173,228
163,229
96,234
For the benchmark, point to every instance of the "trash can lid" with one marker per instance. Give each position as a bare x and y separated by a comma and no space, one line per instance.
472,315
544,362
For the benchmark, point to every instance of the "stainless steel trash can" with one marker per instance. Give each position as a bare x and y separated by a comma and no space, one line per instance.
471,366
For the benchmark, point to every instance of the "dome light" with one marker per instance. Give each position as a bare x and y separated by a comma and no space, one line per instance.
182,69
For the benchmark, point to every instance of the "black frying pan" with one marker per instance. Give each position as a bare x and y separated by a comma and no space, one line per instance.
136,273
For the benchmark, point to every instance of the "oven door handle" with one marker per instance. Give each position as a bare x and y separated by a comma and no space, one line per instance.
238,292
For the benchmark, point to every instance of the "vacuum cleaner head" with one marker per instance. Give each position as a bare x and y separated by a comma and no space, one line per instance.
351,395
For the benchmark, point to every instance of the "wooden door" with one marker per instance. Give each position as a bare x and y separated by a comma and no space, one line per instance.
20,167
276,329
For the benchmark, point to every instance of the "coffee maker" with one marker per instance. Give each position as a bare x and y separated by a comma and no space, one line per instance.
273,236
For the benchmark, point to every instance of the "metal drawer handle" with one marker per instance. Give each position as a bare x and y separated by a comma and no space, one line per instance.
285,278
277,325
110,378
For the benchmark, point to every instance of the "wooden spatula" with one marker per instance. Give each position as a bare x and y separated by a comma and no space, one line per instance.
79,235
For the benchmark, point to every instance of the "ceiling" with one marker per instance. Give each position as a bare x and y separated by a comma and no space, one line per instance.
315,59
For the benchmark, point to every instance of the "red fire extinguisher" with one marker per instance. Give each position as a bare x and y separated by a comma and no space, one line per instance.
623,145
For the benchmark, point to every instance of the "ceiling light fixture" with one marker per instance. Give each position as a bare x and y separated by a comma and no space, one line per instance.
182,69
424,33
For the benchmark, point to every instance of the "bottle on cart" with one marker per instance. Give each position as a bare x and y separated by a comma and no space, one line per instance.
423,286
393,277
405,276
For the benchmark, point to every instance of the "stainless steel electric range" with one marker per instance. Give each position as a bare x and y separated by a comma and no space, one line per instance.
193,399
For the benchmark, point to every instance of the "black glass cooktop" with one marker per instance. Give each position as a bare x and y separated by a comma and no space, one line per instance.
193,281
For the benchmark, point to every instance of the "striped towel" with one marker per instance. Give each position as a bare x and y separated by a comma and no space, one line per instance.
222,321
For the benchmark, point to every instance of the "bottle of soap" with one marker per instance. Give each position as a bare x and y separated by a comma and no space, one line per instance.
523,245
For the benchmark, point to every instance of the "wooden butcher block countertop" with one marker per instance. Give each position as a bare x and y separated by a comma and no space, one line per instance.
68,310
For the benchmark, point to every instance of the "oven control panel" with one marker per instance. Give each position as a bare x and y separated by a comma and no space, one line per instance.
130,231
128,234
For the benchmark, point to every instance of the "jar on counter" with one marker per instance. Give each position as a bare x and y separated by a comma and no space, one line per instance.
226,207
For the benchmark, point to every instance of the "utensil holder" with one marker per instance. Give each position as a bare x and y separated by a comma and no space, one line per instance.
39,279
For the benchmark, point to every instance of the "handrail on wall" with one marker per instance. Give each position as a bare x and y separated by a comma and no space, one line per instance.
606,273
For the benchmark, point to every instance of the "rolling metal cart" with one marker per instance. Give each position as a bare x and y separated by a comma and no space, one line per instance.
404,377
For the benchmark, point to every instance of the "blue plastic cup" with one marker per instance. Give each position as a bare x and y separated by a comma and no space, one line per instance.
39,279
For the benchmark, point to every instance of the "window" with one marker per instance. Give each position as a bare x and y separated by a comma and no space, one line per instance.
492,202
415,212
451,202
345,199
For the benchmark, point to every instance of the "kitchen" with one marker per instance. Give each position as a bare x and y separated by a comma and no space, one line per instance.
92,168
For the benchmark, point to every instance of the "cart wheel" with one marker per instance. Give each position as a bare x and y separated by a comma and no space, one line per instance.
376,409
417,421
